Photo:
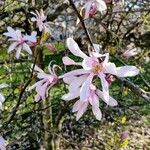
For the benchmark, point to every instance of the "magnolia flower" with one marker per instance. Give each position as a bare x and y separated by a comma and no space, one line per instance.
2,98
45,83
130,52
3,143
40,20
91,6
19,41
94,65
93,96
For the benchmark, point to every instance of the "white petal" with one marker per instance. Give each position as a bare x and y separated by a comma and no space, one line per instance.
33,19
97,112
82,110
69,79
76,83
27,48
18,51
77,106
12,47
88,62
101,5
127,71
85,88
74,48
111,102
68,61
97,48
70,96
110,68
105,86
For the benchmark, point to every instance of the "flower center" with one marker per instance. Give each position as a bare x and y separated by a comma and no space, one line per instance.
97,68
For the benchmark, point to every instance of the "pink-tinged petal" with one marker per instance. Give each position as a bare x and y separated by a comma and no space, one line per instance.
45,76
94,100
70,96
101,5
27,48
69,79
68,61
111,102
76,83
31,38
18,51
127,71
41,90
77,106
82,110
110,68
37,98
105,86
11,33
89,62
12,47
85,88
2,98
75,73
74,48
87,7
97,112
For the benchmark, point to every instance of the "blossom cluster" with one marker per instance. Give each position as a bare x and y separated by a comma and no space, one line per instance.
88,84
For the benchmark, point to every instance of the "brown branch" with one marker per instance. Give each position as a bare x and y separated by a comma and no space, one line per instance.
135,89
82,22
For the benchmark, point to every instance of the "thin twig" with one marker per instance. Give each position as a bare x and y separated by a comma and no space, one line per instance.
15,109
82,22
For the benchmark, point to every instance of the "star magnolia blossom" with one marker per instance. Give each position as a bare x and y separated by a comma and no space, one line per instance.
92,99
91,6
45,83
130,52
2,98
40,20
3,143
94,65
20,41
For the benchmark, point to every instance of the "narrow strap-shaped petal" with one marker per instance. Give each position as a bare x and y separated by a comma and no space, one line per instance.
85,88
97,112
111,102
81,110
105,86
70,96
18,51
12,47
27,48
74,48
127,71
